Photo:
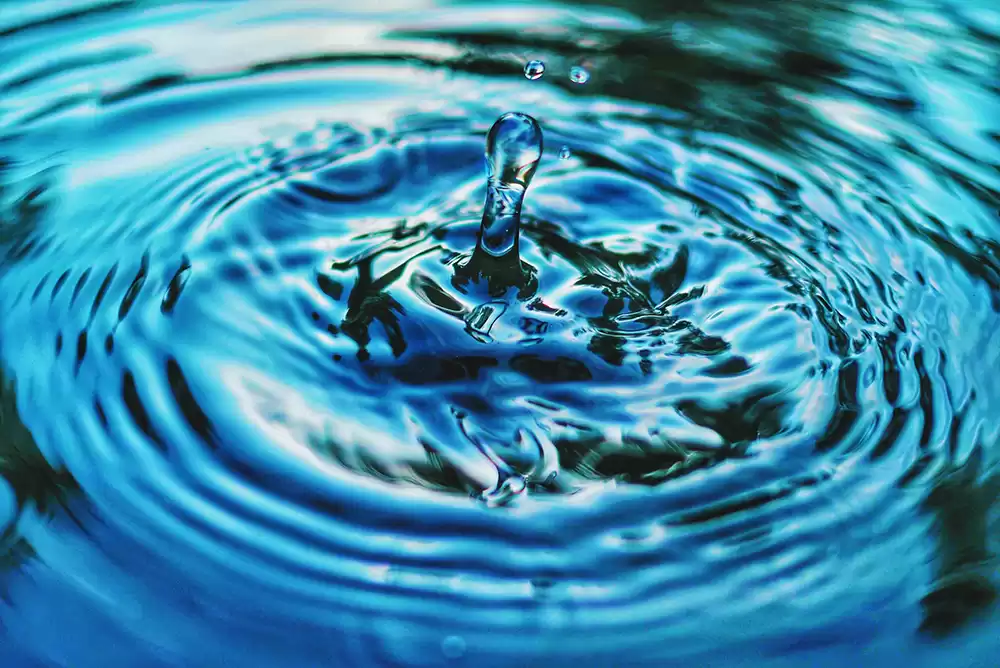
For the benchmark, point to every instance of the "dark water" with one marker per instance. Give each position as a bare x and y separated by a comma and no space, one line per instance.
736,404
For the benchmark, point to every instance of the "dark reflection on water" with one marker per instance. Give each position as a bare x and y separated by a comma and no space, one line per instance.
965,587
734,404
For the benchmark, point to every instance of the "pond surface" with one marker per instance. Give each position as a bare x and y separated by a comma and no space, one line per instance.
732,398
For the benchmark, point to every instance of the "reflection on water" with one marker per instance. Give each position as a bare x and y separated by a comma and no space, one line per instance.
721,390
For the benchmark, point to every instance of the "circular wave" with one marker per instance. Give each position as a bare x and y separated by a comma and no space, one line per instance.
244,331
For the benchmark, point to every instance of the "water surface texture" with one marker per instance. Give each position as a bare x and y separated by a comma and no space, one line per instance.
724,390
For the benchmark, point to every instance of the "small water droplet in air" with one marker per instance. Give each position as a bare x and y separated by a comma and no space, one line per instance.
453,647
579,75
513,148
534,69
564,153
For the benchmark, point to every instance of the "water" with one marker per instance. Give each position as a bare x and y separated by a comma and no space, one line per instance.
513,149
579,75
269,400
534,69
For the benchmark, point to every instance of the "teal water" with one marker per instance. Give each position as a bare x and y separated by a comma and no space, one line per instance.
700,369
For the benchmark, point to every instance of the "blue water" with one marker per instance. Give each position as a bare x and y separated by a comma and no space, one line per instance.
292,374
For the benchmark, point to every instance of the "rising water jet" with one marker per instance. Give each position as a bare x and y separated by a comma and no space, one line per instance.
513,149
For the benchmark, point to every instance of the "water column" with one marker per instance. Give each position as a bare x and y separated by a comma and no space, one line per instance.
513,149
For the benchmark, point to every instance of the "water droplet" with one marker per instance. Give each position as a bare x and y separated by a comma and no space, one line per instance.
513,149
564,153
534,69
579,75
453,647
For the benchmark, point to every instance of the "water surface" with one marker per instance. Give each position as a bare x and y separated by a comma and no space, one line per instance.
735,403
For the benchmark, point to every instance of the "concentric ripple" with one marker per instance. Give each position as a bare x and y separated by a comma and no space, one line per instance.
727,421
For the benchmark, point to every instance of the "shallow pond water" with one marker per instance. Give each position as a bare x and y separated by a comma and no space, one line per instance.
735,400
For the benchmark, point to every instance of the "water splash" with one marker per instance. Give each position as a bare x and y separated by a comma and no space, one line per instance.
513,149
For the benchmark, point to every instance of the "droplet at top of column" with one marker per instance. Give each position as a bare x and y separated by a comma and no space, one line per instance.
513,149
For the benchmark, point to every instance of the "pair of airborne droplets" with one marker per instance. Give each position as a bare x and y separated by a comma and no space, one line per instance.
513,149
